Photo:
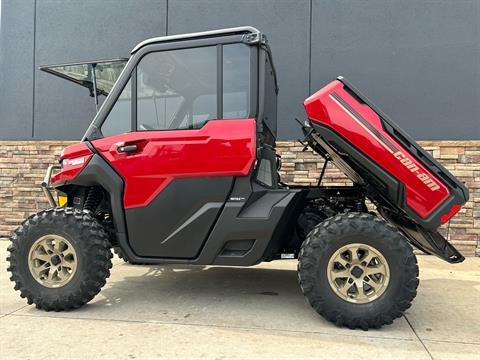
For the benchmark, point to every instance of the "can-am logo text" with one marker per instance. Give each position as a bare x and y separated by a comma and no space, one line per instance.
416,170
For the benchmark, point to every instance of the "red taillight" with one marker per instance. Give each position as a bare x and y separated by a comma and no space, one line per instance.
448,216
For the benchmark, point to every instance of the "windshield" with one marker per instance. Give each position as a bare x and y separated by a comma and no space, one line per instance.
106,72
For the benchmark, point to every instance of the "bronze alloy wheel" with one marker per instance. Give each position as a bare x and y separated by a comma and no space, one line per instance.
359,284
59,258
52,261
358,273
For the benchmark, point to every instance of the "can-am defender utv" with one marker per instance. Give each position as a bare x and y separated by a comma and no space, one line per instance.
179,166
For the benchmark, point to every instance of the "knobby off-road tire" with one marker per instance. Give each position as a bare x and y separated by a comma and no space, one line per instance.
85,244
364,231
118,251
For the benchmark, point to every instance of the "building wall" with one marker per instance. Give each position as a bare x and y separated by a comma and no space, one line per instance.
23,165
419,60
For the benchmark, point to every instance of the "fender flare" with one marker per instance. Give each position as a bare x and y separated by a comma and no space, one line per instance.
99,172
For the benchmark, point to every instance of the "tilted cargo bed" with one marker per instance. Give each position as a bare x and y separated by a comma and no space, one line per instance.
376,153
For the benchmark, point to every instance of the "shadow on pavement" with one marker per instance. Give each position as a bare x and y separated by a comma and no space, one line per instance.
200,284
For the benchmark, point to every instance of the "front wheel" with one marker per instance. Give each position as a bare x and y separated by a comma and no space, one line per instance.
59,259
357,270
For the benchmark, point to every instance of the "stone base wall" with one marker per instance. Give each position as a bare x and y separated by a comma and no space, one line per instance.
23,165
22,168
462,158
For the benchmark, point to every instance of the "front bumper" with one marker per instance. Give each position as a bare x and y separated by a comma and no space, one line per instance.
46,185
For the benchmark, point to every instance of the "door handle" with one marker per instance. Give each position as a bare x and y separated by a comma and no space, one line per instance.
127,148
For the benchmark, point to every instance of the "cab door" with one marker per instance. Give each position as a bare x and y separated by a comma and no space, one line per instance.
179,162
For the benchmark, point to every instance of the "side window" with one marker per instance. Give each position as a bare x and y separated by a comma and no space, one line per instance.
177,89
118,120
236,81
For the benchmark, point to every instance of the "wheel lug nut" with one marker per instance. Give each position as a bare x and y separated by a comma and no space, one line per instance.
366,278
350,280
364,263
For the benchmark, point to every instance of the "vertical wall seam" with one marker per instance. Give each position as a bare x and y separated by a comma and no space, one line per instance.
33,71
166,20
310,51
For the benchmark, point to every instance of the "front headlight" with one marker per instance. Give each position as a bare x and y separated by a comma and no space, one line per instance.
73,162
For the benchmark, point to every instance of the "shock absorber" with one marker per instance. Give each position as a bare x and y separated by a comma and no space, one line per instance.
93,199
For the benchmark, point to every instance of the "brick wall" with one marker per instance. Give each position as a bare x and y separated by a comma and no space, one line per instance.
462,158
23,165
22,168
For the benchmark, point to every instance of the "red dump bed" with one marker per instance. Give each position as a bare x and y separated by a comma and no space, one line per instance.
383,155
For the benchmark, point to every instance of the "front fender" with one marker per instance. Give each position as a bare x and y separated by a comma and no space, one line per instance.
98,173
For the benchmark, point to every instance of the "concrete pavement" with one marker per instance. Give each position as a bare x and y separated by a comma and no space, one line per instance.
148,312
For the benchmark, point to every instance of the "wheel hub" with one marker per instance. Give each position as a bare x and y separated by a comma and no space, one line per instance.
55,260
358,273
52,261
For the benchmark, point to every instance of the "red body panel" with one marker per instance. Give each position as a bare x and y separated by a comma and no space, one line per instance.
334,107
220,148
73,158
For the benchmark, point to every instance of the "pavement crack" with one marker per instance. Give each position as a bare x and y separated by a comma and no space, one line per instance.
159,322
418,337
14,311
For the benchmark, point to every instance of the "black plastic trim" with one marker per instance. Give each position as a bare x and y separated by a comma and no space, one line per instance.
99,172
219,81
430,242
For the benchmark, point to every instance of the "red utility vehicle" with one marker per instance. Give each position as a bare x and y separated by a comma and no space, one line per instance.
179,166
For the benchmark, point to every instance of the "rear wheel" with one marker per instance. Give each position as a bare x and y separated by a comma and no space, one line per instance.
357,270
59,259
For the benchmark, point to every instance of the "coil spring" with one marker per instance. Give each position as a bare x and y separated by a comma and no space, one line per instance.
93,199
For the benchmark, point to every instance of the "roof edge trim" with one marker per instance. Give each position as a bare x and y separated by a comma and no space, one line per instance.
227,31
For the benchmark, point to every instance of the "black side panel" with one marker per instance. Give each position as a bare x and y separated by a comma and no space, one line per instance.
249,217
176,223
266,172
